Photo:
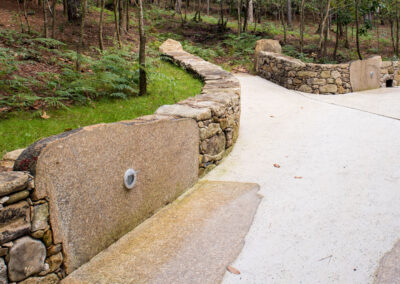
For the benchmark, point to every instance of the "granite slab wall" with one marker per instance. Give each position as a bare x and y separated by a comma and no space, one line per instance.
313,78
62,199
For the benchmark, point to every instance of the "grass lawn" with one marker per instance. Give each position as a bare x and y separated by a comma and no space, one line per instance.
168,85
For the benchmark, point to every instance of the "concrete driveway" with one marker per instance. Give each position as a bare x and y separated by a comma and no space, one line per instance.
331,207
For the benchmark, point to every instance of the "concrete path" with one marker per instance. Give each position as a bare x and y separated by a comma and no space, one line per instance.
331,211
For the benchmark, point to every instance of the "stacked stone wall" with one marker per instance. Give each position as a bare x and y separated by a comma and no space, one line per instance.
296,75
27,251
313,78
390,70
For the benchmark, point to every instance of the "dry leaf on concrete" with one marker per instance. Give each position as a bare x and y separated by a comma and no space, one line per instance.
233,270
277,166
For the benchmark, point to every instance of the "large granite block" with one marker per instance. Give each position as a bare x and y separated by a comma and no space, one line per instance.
365,74
82,175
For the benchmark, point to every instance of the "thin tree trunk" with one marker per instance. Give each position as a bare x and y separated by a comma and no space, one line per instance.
81,31
26,16
127,14
397,28
116,23
250,14
392,36
323,24
302,26
289,13
346,43
101,43
20,17
357,31
142,53
337,35
283,24
239,9
208,7
53,23
46,31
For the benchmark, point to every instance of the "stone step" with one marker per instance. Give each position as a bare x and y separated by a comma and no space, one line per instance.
192,240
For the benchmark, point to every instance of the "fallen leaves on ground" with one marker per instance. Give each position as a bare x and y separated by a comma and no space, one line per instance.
277,166
298,177
233,270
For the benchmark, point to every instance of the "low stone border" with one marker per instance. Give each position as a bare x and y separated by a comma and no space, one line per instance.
216,109
294,74
28,252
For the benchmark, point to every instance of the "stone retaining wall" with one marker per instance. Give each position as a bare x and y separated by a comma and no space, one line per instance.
47,196
294,74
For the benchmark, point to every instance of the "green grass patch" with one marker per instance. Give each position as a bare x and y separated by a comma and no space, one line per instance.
168,85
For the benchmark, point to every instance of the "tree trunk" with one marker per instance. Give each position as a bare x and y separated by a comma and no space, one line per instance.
208,7
127,14
73,7
283,24
239,10
45,29
302,26
337,35
323,24
116,23
397,28
121,17
142,53
81,32
250,13
357,30
178,6
53,23
289,13
101,43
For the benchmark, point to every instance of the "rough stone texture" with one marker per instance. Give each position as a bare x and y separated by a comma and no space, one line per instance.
293,74
13,181
212,219
365,74
170,45
15,197
26,258
389,267
13,155
184,111
82,175
3,272
40,217
268,45
54,262
48,279
14,221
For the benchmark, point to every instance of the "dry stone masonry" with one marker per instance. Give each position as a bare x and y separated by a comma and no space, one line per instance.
62,200
313,78
27,247
216,110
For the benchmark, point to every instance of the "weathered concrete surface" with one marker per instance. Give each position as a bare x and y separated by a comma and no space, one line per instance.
384,101
335,223
389,267
82,174
366,74
170,45
191,241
